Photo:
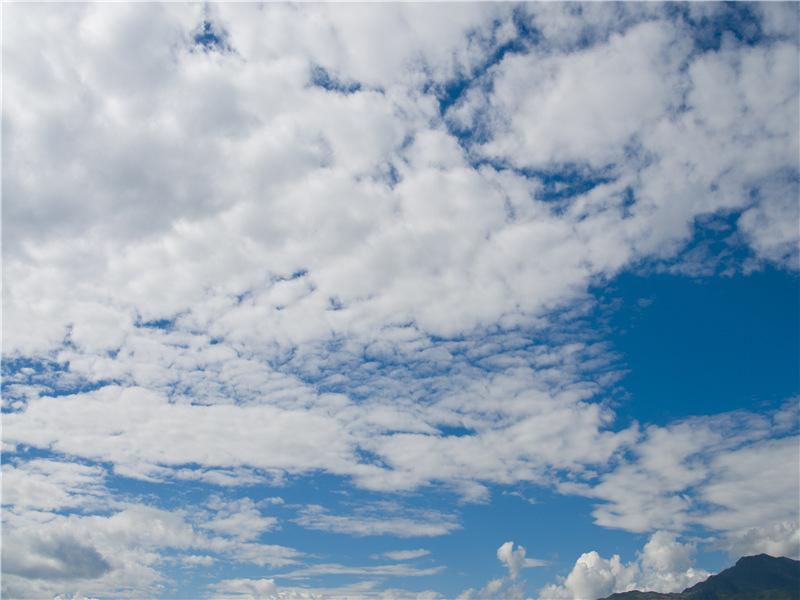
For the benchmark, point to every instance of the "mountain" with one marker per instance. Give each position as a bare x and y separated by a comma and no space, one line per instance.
759,577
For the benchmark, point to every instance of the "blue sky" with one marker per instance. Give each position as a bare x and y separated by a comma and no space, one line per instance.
397,300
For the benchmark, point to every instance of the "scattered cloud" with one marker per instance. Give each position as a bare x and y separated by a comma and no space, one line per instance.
245,245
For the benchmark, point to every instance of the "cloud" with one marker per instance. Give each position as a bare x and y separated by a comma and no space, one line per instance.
267,588
117,547
240,519
245,588
776,539
515,559
488,591
405,554
56,560
397,570
663,565
694,472
113,424
50,485
42,557
248,243
503,587
380,520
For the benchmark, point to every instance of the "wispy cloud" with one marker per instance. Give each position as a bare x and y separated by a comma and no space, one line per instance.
404,554
385,519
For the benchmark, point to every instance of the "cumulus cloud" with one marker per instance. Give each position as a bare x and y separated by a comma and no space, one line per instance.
663,565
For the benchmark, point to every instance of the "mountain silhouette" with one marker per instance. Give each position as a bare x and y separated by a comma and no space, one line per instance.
759,577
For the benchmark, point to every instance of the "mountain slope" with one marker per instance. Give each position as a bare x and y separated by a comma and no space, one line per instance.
759,577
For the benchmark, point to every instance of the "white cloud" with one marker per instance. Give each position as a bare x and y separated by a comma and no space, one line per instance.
776,539
116,548
267,588
194,560
503,587
245,588
515,559
405,554
754,492
396,570
586,106
240,519
663,565
46,553
43,484
488,591
208,238
380,519
723,472
138,430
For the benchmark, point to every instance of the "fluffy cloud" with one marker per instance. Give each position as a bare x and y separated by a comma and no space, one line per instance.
663,565
503,587
118,550
50,485
308,191
515,559
240,518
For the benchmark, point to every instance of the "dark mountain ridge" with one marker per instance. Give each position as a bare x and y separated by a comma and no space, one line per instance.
760,577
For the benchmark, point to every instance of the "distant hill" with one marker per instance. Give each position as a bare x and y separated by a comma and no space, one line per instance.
759,577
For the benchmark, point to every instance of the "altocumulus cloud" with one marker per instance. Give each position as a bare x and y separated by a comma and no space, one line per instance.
284,283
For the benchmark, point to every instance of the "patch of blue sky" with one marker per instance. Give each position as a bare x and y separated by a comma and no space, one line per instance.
450,93
163,324
713,23
556,528
50,377
209,37
321,78
26,453
707,344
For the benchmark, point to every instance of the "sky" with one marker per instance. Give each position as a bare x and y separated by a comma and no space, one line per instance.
397,300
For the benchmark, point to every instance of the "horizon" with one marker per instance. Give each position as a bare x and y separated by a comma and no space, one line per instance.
398,300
